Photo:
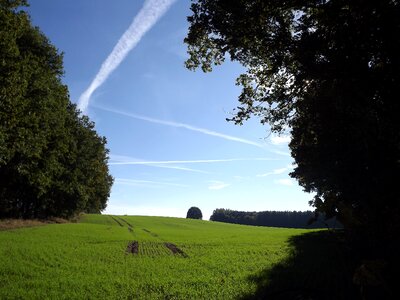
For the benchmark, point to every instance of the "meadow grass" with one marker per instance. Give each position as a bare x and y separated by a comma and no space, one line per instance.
89,260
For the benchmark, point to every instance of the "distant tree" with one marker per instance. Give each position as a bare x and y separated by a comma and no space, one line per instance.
328,72
52,162
194,213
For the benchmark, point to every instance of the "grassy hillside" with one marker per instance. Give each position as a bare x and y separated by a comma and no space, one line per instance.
175,259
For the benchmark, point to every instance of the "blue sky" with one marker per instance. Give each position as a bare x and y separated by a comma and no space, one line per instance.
170,146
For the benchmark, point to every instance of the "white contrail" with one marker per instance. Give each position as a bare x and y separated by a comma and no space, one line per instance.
149,183
217,185
278,171
183,125
151,11
199,161
126,160
179,168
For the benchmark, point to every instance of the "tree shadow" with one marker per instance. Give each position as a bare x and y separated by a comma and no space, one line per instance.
320,266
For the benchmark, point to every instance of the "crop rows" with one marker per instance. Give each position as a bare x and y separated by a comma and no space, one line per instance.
153,249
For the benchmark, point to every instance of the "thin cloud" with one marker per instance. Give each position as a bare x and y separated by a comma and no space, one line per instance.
121,160
241,178
126,160
280,139
217,185
281,152
182,125
276,171
150,13
147,183
180,168
284,181
116,157
200,161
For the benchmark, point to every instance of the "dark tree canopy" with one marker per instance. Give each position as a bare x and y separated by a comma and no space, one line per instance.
194,213
328,72
52,162
288,219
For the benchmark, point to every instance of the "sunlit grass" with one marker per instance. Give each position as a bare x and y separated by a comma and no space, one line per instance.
88,260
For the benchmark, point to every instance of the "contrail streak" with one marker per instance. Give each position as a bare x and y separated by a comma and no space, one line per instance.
149,183
126,160
183,125
150,13
184,161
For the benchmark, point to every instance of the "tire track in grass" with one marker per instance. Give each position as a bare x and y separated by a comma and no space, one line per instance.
118,222
133,246
175,250
151,233
130,226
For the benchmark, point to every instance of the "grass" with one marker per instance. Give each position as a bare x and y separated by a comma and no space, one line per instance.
89,260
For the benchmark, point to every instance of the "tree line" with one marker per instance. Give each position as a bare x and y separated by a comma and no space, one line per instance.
52,161
289,219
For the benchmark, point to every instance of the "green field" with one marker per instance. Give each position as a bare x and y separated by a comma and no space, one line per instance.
89,259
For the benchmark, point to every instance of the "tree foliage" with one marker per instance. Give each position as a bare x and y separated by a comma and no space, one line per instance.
288,219
52,161
328,72
194,213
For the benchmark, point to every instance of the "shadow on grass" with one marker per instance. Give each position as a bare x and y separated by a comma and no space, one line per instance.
319,267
